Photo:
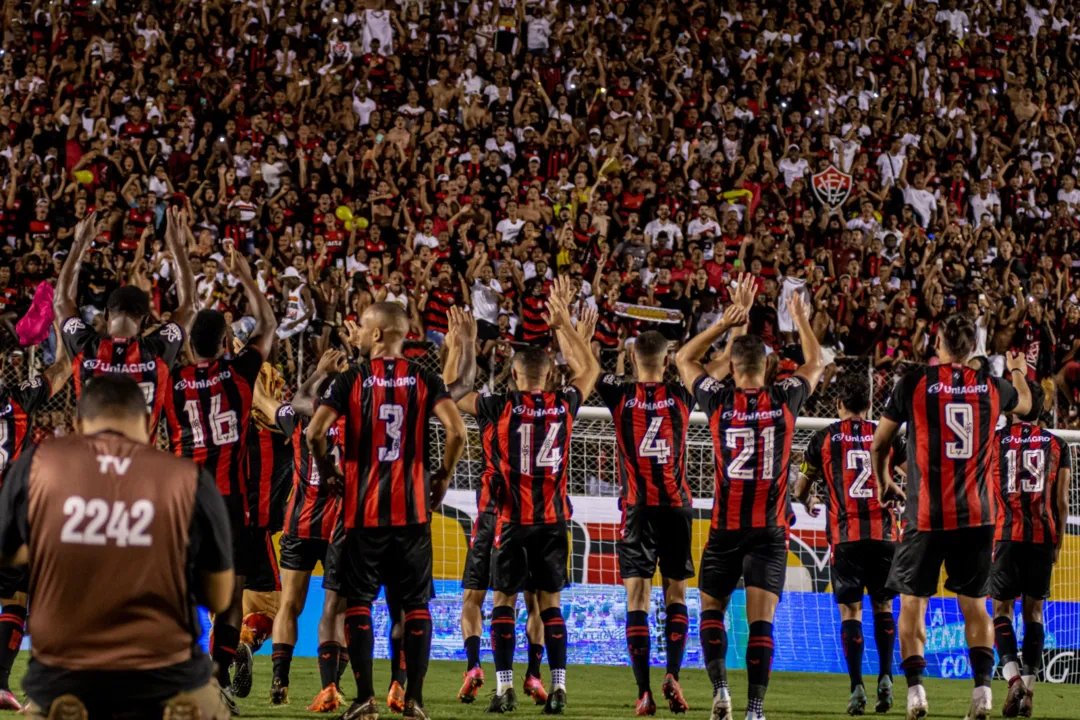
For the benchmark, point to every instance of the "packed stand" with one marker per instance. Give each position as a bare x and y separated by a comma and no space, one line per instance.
445,153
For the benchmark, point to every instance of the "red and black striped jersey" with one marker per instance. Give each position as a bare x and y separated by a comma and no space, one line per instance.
268,475
840,454
752,431
532,432
207,412
387,404
533,325
1029,460
951,412
22,402
491,480
651,421
313,510
146,359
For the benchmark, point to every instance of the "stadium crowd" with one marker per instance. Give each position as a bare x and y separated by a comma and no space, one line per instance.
438,153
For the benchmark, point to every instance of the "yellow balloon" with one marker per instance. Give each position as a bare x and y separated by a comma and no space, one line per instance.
343,213
84,176
348,226
362,223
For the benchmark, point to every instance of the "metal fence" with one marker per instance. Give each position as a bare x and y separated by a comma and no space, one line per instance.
493,376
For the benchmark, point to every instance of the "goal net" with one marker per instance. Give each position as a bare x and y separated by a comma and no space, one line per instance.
807,625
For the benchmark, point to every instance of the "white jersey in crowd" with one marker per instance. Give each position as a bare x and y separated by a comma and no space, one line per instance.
377,27
791,286
401,298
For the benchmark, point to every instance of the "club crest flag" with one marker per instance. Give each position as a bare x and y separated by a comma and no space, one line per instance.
831,186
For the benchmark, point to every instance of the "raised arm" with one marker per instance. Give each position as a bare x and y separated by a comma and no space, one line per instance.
584,366
459,375
65,300
813,363
175,237
453,448
304,400
688,359
1017,365
262,337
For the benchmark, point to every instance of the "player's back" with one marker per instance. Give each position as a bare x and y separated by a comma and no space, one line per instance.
491,478
208,409
146,359
312,509
752,430
651,422
951,411
388,404
268,475
1029,460
15,413
123,519
842,452
532,431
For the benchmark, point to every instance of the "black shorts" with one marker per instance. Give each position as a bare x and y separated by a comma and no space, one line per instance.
530,557
487,331
656,535
1021,568
758,557
241,536
263,570
396,558
14,580
859,566
965,552
302,554
477,575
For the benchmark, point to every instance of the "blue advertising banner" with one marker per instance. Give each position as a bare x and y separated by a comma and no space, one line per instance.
807,631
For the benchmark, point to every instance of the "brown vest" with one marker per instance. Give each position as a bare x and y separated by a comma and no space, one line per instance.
109,521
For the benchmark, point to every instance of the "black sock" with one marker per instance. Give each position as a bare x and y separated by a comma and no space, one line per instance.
1034,636
472,651
397,660
913,667
852,637
555,641
675,627
503,639
226,638
714,647
885,639
417,644
282,655
12,628
328,663
360,639
759,654
536,656
982,665
342,664
1005,639
637,644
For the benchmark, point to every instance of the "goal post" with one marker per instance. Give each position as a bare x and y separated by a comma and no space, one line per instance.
807,624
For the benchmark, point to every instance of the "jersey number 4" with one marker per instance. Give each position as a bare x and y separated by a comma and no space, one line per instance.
653,446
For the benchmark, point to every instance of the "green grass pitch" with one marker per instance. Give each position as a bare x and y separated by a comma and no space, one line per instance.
596,691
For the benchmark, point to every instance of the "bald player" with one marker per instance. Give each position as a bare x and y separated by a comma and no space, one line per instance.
151,551
124,349
389,494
